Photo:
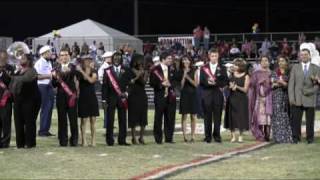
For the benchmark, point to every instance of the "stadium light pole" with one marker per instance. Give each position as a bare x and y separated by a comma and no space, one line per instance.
135,17
266,11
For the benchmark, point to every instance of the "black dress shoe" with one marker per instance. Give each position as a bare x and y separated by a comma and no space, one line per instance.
217,139
141,141
170,141
134,141
207,140
110,143
124,144
159,142
310,141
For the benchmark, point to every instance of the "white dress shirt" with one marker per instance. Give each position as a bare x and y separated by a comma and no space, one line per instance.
165,71
303,65
213,68
43,67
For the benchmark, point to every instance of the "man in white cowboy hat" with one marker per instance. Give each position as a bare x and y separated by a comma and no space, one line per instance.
106,63
156,60
107,57
44,69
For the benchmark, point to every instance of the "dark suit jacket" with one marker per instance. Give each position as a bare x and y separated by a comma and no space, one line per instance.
108,93
159,89
213,92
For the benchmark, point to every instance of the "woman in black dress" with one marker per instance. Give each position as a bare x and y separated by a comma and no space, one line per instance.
237,114
188,96
137,99
88,107
27,102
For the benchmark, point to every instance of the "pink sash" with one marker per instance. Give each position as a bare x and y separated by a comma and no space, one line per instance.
5,96
72,96
171,94
208,72
116,87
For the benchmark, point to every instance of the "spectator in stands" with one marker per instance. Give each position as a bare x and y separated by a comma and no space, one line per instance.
206,38
234,51
302,38
253,49
274,50
75,49
285,48
265,47
100,50
84,49
197,35
246,48
317,43
294,51
93,50
255,28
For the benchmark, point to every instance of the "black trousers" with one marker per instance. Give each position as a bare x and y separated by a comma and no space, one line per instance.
25,116
297,112
212,110
5,125
65,113
164,110
122,120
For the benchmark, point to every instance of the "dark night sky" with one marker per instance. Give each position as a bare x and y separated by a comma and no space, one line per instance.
21,19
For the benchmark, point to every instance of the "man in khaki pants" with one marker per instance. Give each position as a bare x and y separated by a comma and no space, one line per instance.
302,95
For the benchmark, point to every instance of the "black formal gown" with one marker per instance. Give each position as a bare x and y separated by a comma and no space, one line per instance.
138,103
237,113
188,96
88,103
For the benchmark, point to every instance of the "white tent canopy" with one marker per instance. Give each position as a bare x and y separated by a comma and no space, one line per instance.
89,31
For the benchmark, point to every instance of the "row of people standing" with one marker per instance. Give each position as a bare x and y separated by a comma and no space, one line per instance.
124,89
277,99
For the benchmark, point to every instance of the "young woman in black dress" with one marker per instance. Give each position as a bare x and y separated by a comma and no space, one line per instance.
88,108
188,96
137,100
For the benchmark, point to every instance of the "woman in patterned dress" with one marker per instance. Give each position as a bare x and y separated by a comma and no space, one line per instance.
280,123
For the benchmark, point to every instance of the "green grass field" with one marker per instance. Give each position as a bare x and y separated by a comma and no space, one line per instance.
49,161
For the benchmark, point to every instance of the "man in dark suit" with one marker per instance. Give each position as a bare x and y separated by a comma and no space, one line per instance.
161,79
66,81
6,71
115,82
213,77
302,91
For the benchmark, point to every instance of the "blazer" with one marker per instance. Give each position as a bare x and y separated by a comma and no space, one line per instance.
302,91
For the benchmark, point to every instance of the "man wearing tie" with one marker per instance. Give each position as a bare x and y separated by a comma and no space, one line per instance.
213,77
161,79
115,82
302,95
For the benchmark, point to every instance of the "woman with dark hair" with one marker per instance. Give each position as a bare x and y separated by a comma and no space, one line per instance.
88,108
137,98
27,102
280,122
260,101
188,96
237,104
